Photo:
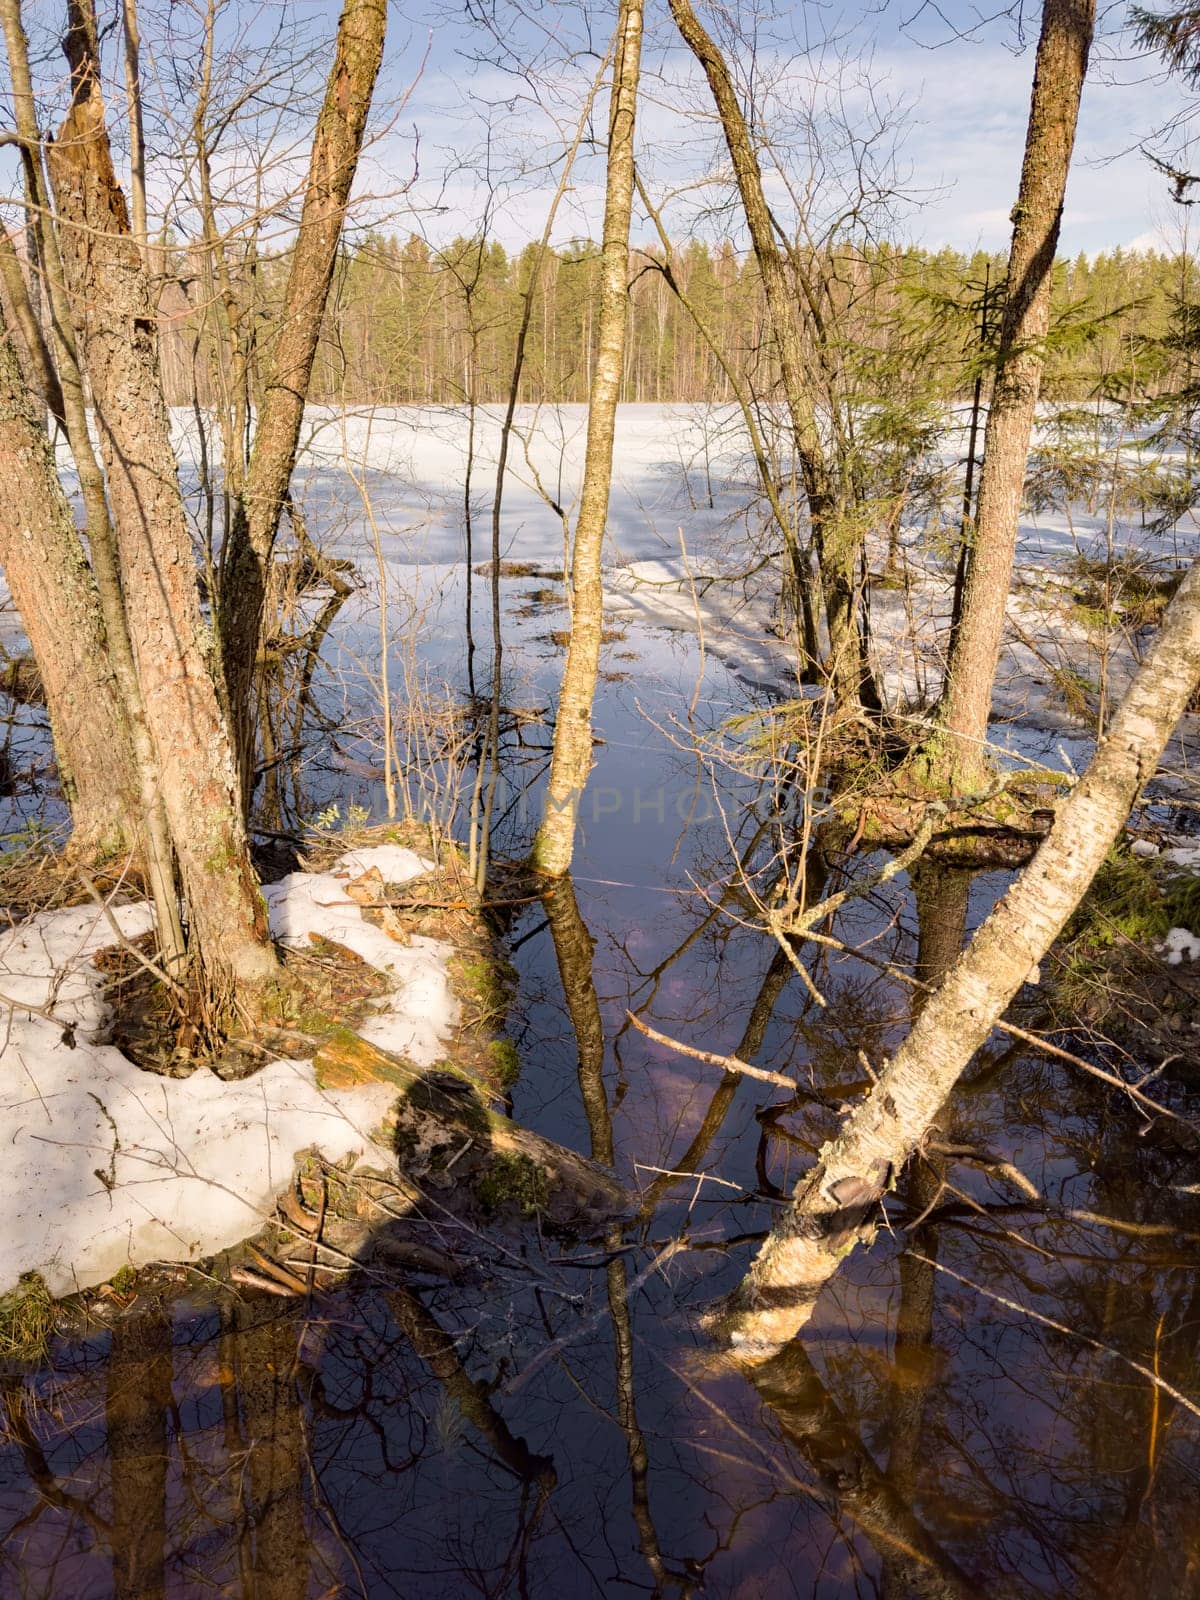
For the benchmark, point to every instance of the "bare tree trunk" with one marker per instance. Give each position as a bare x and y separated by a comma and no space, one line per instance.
337,144
137,137
572,758
51,583
852,1171
68,382
837,545
19,313
171,645
1062,56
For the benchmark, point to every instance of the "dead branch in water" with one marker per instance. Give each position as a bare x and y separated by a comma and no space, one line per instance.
728,1063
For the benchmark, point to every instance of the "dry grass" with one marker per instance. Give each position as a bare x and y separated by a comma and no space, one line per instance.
27,1317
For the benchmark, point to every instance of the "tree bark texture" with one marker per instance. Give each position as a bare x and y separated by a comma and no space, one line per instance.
337,143
852,1171
1062,58
172,647
572,758
65,396
20,315
48,575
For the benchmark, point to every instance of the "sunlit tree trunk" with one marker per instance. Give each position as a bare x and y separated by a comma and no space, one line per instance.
20,314
64,393
572,758
837,543
171,644
854,1169
137,136
1062,58
50,581
337,144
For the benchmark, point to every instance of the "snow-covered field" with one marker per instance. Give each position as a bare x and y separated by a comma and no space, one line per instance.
104,1164
685,543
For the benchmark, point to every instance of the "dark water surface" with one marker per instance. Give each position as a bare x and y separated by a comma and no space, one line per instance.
554,1424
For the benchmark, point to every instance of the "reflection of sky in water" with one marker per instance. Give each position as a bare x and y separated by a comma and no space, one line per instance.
1027,1462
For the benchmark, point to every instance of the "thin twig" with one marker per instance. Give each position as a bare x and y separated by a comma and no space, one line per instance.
1059,1327
1023,1034
152,967
729,1063
550,1351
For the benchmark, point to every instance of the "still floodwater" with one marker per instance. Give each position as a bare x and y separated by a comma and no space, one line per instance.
553,1423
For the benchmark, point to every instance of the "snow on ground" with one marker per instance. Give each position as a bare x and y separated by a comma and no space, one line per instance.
103,1164
738,620
1180,945
680,483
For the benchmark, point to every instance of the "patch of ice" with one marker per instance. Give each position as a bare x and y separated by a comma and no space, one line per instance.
103,1164
1178,944
1185,856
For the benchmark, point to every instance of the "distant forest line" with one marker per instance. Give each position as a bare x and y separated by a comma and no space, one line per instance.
410,324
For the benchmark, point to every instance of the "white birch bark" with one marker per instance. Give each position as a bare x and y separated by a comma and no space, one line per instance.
853,1170
572,758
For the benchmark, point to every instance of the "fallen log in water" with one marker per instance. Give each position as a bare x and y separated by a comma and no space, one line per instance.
447,1138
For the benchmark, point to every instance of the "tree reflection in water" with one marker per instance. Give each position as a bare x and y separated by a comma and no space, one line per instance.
921,1441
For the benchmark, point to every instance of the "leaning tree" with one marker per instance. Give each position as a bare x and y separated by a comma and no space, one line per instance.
125,650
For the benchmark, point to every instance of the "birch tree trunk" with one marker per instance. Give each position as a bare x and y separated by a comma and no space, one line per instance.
853,1170
837,545
337,144
572,758
172,647
50,581
956,754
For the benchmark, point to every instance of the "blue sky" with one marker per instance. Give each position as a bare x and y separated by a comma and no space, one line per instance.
961,108
947,91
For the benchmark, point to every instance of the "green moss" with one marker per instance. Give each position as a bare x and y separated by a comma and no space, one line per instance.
124,1281
516,1181
488,982
1127,900
220,859
334,1072
1182,899
1130,907
26,1320
506,1063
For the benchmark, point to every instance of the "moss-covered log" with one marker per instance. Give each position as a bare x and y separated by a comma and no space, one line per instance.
448,1138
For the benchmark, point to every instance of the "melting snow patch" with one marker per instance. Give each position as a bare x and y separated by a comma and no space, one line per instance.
1186,857
102,1163
1180,943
